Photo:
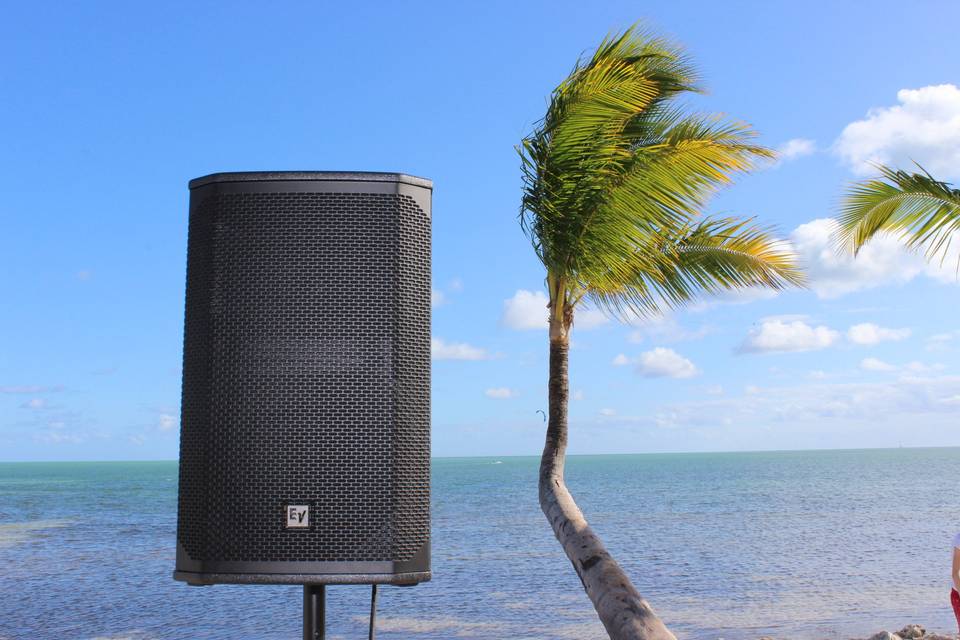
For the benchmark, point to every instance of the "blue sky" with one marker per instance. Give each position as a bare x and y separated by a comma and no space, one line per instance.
107,112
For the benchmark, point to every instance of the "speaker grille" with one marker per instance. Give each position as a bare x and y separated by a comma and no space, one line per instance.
306,377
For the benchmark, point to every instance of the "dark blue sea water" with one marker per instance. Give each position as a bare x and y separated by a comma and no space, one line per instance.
832,544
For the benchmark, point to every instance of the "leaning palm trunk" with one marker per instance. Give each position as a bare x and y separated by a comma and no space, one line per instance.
623,611
615,179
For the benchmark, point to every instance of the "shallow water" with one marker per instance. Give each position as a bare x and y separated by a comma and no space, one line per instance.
832,544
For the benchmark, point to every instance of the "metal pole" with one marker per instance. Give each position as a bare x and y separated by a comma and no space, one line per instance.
373,614
314,614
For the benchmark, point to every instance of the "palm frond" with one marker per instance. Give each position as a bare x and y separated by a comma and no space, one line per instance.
617,167
924,211
711,257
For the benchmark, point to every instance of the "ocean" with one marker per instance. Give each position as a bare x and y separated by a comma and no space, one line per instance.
806,545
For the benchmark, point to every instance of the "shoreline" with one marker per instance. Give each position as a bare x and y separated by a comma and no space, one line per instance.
908,632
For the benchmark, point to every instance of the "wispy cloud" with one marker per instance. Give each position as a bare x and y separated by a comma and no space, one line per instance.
942,341
29,388
875,364
796,148
817,407
666,329
869,334
442,350
439,297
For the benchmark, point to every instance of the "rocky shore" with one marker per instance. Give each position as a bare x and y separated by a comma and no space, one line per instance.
909,632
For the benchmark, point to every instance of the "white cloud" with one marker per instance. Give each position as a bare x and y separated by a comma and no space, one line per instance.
607,412
665,363
875,364
440,350
833,273
715,390
751,389
883,261
436,298
528,310
796,148
924,127
621,360
525,310
578,394
166,422
500,393
659,363
34,403
868,333
777,336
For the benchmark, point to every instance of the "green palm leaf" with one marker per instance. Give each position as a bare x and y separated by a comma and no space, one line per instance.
923,211
616,174
713,256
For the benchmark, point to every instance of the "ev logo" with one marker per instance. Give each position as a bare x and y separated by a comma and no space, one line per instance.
298,517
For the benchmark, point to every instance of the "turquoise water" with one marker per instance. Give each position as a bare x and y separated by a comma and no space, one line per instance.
833,544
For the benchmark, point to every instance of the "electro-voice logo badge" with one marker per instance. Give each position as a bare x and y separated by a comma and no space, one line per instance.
298,516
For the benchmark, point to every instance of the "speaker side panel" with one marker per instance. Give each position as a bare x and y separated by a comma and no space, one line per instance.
411,458
197,373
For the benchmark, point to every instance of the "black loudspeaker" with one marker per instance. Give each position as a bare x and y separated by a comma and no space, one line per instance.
305,425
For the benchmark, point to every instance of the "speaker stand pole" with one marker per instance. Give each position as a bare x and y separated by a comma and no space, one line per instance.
314,614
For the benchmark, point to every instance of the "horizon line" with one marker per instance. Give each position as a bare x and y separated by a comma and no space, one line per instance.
572,455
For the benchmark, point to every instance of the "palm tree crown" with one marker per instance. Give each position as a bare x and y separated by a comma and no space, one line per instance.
922,210
616,173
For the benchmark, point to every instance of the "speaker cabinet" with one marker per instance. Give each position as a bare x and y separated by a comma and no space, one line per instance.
305,426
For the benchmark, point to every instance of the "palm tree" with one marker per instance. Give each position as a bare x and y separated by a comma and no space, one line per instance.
923,211
615,177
